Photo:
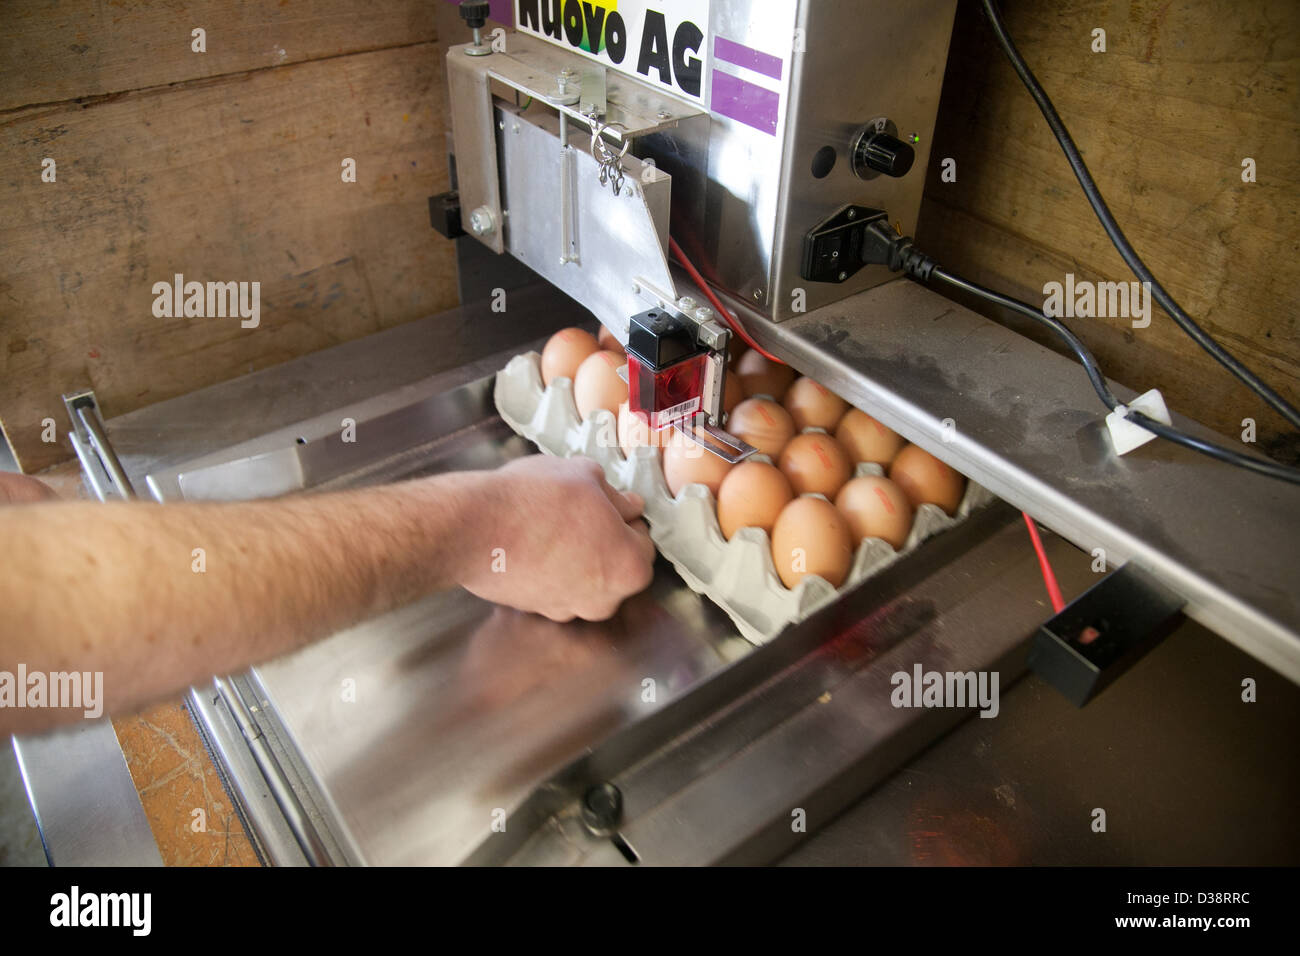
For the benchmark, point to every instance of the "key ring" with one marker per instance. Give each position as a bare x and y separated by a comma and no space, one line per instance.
610,162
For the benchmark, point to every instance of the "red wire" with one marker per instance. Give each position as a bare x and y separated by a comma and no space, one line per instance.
717,305
1049,576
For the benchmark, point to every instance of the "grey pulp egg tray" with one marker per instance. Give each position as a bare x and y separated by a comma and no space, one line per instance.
737,575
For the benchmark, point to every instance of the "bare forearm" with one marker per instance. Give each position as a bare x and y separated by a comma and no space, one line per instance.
155,597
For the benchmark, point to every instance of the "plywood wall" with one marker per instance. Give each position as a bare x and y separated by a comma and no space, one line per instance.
225,166
221,166
1185,91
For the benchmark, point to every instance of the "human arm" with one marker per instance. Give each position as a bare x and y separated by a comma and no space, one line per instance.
159,596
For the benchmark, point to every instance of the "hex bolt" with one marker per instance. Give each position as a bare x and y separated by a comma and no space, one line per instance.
602,809
481,222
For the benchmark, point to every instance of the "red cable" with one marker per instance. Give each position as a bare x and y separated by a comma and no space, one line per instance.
718,307
1049,576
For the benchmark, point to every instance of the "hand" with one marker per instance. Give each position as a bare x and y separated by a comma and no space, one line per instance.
550,535
18,489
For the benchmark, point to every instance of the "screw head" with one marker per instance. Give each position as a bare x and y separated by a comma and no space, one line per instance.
843,276
664,115
602,809
480,221
853,214
758,295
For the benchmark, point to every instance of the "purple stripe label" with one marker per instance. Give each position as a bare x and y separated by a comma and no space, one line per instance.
748,57
745,102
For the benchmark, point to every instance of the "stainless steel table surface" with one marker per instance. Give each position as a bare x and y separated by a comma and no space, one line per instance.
522,695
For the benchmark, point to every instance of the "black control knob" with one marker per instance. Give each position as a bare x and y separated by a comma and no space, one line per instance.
882,153
475,12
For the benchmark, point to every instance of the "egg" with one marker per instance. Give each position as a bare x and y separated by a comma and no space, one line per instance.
876,508
605,338
751,496
813,405
815,463
733,392
865,439
764,377
925,478
597,384
811,537
762,423
564,352
634,432
687,462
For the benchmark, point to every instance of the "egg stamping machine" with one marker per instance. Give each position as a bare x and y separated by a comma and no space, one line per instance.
699,114
763,137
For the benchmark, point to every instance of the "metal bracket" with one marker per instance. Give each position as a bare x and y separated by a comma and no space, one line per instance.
89,439
723,444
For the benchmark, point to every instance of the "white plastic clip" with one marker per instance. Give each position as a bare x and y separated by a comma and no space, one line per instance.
1126,435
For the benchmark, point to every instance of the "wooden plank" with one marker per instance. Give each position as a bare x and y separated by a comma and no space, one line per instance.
234,179
1164,118
51,51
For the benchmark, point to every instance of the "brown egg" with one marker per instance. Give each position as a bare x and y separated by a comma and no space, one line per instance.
564,352
751,496
865,439
597,384
733,392
925,478
634,432
876,508
607,340
687,462
813,405
815,463
764,377
763,423
811,537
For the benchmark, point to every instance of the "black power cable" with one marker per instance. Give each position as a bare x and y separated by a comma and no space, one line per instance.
1262,466
882,246
1126,250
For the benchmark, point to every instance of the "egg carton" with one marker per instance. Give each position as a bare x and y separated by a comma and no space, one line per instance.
737,575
